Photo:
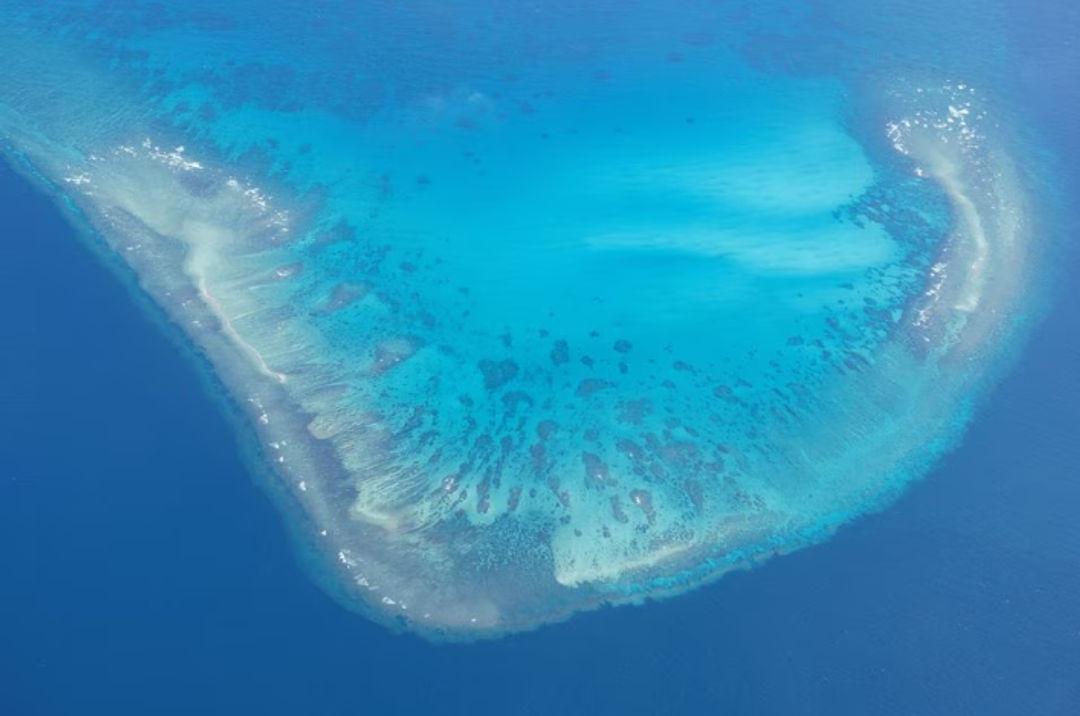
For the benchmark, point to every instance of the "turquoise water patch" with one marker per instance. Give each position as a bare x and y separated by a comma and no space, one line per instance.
532,322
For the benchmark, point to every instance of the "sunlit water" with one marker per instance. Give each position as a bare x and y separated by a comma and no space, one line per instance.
539,308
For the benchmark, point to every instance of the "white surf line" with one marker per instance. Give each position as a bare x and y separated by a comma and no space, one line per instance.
972,220
228,330
574,575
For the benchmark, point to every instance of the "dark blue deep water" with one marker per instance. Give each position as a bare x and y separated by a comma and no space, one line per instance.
143,572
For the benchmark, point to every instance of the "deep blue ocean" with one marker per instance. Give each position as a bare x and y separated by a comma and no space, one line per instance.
143,571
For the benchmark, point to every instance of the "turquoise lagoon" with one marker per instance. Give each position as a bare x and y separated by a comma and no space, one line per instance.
535,308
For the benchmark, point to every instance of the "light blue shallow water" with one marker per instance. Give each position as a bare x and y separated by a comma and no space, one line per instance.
539,308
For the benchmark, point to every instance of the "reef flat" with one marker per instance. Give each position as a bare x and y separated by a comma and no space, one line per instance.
531,314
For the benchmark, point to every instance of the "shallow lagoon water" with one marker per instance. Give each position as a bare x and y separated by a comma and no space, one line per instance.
529,327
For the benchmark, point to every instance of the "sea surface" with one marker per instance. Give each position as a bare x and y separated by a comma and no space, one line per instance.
145,570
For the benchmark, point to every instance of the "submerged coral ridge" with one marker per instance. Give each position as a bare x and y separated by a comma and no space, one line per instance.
524,336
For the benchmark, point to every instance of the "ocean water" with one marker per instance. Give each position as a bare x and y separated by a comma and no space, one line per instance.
803,216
